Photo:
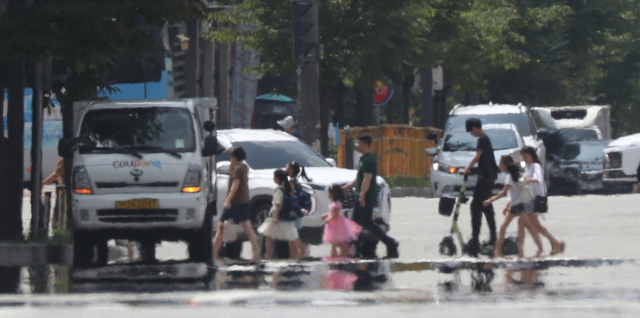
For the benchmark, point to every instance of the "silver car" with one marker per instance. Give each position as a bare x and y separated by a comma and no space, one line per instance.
457,148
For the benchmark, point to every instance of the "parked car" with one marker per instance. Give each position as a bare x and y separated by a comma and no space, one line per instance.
518,115
578,168
456,149
621,159
268,150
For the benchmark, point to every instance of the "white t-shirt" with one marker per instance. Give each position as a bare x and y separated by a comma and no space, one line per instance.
512,194
278,198
534,171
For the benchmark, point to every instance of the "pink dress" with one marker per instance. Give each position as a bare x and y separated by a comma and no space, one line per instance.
340,229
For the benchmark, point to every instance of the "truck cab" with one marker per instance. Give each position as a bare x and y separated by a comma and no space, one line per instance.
142,170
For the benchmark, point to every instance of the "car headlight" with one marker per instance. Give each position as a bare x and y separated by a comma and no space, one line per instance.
444,168
81,181
192,180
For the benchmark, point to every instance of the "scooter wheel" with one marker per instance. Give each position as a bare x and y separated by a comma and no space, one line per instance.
448,246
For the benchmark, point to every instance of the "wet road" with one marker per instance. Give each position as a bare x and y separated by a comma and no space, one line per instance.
594,227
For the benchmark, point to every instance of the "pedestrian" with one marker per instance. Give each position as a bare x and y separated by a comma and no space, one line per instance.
487,175
366,191
237,204
296,171
57,175
280,224
534,178
288,123
338,230
515,207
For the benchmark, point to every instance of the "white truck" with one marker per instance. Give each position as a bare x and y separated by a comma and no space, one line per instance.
144,171
622,163
565,117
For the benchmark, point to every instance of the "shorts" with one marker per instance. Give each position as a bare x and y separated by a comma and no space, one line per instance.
528,207
517,209
298,223
238,213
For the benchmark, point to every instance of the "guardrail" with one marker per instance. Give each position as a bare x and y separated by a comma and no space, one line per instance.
400,149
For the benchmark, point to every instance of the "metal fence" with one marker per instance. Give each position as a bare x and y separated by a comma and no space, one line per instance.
400,149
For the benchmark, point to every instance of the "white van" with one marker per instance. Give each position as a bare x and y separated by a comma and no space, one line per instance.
142,170
621,160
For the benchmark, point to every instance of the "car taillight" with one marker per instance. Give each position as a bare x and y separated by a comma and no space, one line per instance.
81,181
192,180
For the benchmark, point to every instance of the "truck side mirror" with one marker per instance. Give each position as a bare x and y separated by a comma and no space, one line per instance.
331,161
66,147
209,126
431,151
223,167
210,146
432,136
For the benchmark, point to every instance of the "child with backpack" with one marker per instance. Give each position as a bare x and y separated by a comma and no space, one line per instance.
295,171
518,194
280,223
338,229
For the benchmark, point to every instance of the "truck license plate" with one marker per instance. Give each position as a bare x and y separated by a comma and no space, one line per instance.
138,204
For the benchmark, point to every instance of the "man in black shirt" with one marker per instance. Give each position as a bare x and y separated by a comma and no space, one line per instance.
487,174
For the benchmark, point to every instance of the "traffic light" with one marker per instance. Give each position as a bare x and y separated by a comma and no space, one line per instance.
304,28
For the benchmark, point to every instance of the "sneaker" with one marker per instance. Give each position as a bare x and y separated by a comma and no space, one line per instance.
392,251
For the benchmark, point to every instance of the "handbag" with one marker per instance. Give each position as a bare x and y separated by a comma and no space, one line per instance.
524,193
540,204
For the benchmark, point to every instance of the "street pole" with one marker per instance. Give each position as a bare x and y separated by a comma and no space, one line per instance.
427,97
36,153
305,42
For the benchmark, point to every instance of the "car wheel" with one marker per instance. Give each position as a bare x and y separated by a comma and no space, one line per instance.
82,249
260,214
201,243
368,249
102,252
232,250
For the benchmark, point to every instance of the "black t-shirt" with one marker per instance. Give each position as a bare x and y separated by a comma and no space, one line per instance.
487,169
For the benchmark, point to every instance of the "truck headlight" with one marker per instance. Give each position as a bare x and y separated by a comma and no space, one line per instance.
81,181
192,180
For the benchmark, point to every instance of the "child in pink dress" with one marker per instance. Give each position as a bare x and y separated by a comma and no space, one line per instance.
339,230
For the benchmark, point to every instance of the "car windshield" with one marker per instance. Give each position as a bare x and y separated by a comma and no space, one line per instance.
276,154
584,152
521,121
463,141
152,129
579,134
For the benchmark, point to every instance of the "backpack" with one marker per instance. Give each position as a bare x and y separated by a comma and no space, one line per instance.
304,200
290,209
524,194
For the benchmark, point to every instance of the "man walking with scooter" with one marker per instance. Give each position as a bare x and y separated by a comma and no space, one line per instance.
487,175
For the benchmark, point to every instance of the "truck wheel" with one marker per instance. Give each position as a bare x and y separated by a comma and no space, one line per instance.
102,252
259,214
201,243
368,249
148,250
82,249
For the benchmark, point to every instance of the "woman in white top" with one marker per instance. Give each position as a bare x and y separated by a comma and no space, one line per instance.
514,208
534,178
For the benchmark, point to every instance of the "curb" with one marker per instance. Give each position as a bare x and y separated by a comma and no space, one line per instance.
25,254
411,192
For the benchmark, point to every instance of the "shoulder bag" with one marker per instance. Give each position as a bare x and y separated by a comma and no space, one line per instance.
540,204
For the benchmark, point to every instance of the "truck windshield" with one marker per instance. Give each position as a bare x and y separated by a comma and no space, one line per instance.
521,120
584,152
152,129
463,141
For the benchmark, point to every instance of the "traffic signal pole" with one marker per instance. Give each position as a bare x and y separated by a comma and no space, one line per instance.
305,50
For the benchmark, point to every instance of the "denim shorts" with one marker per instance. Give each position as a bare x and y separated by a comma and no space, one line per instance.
517,209
528,207
238,213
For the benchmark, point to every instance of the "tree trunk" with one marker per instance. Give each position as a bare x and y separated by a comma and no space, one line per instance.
325,112
407,84
3,157
340,93
440,106
391,112
364,108
12,211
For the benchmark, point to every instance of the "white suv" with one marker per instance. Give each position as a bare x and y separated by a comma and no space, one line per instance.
456,149
268,150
